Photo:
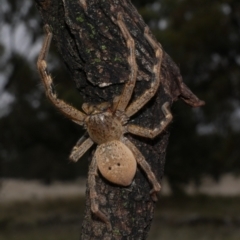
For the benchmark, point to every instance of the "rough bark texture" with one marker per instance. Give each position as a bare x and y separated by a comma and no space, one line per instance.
95,53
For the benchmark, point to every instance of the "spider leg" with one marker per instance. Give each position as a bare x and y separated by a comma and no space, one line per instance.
82,145
152,133
145,166
149,93
93,193
129,86
72,113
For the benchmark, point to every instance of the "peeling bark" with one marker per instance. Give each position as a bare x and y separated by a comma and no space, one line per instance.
95,53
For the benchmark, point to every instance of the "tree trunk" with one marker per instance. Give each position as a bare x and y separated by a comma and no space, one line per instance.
95,53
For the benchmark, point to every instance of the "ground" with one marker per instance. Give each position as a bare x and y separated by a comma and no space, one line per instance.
33,211
22,190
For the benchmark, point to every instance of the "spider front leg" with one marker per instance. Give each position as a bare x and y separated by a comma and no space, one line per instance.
72,113
82,145
93,193
145,166
149,93
152,133
129,85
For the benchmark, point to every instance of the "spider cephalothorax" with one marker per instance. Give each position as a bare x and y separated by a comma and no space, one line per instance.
103,124
116,157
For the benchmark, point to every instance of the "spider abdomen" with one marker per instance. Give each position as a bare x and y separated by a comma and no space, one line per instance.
116,162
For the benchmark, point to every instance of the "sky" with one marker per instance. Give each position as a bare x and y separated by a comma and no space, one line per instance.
15,39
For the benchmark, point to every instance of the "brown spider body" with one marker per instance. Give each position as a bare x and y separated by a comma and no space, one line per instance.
116,157
104,126
116,168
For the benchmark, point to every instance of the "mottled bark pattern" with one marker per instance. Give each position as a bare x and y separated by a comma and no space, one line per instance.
95,53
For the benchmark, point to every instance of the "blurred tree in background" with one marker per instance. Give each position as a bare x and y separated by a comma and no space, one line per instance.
35,140
203,38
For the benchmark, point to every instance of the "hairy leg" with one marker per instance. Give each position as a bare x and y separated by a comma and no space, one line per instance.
129,85
145,166
152,133
72,113
83,144
93,193
149,93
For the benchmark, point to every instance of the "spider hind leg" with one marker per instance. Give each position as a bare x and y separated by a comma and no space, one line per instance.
93,193
145,167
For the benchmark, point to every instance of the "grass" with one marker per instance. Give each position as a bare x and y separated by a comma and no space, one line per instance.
198,232
35,214
201,205
43,233
182,218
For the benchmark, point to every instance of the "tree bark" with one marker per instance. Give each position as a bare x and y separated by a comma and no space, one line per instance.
95,53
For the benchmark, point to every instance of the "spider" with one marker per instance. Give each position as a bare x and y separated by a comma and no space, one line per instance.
116,157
